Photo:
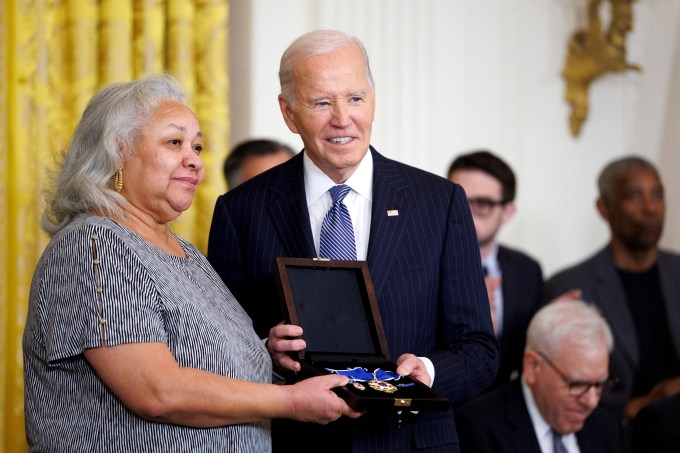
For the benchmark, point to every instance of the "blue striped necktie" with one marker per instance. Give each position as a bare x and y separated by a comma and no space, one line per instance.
337,235
558,446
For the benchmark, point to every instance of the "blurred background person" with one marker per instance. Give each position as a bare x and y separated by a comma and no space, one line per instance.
130,332
251,157
514,280
635,284
553,408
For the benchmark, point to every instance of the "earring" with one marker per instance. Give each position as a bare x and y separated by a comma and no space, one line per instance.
118,181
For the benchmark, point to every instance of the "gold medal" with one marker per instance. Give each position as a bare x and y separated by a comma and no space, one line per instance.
358,386
382,386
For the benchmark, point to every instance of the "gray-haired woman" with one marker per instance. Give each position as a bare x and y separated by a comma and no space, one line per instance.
132,341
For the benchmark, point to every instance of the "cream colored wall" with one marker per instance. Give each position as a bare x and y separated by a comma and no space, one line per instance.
453,75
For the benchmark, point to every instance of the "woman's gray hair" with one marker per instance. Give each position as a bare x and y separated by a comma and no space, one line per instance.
318,42
102,140
577,320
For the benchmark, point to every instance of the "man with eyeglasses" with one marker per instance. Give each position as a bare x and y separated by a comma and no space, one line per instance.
636,284
514,280
553,408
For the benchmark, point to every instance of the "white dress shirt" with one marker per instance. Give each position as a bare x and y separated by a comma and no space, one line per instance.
490,263
542,429
358,202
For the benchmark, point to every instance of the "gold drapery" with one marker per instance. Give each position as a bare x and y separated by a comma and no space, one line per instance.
54,55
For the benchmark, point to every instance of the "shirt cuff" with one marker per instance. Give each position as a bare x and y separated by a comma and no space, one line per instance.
429,367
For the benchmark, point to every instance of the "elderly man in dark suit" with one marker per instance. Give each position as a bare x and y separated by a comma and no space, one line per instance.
553,408
413,228
514,279
635,284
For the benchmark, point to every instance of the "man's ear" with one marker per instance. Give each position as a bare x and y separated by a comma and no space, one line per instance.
287,113
529,365
509,210
602,208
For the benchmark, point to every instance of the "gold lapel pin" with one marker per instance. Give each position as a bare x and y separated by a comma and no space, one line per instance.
392,213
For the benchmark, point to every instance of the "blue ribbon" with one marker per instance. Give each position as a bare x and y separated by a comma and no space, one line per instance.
359,374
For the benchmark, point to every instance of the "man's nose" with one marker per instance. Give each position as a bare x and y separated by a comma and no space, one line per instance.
340,114
591,398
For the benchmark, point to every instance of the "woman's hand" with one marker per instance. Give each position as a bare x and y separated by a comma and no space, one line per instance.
312,400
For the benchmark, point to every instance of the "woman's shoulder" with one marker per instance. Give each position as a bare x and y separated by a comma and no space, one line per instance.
84,234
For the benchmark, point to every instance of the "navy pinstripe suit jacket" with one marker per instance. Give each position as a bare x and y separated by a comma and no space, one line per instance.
424,264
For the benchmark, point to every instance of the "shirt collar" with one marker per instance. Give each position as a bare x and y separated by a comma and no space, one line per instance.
317,182
541,427
491,262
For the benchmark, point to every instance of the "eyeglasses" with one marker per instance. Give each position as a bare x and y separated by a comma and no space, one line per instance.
483,206
580,388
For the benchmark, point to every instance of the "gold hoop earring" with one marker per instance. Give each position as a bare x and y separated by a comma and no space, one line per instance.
118,181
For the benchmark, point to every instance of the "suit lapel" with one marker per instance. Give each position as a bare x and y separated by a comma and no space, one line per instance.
511,286
609,291
522,437
288,210
390,214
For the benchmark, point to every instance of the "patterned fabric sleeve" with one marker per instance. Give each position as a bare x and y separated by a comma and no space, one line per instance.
95,291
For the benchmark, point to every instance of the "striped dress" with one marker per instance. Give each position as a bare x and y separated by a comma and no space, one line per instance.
96,282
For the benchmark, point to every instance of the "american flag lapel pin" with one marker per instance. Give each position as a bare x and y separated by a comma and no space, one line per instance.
392,212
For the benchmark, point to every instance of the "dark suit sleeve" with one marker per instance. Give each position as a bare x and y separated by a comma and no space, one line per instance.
579,277
222,253
227,255
468,362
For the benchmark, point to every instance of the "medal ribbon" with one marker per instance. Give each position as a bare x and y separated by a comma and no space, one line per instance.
359,374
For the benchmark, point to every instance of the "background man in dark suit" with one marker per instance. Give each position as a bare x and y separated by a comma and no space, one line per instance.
249,158
514,279
564,374
413,228
636,285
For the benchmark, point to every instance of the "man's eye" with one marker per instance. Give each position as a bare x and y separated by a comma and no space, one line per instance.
631,196
198,149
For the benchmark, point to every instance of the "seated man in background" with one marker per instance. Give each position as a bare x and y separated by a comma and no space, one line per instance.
514,280
635,284
251,157
553,407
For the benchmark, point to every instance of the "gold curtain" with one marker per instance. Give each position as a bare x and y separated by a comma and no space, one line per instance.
54,55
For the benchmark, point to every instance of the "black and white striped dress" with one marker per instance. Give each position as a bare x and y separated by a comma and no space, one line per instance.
145,295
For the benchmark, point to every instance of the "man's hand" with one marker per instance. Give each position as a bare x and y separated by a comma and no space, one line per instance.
282,339
410,365
664,389
572,294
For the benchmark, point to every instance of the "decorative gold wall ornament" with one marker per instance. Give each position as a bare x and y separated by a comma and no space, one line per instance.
591,53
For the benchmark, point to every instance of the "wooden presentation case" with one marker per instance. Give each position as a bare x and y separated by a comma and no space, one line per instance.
334,302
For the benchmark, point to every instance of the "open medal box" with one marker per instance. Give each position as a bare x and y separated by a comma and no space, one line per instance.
334,303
